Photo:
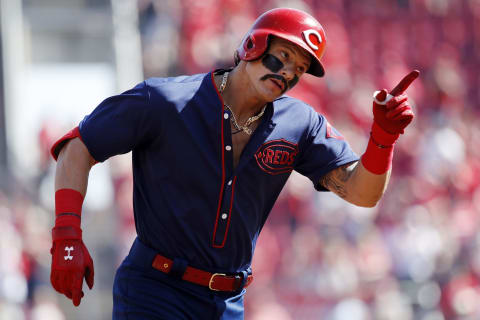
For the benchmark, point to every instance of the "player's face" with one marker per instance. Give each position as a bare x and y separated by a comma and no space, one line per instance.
279,69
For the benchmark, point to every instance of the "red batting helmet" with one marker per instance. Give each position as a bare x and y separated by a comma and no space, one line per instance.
290,24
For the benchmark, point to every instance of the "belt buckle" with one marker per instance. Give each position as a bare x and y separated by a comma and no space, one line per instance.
211,280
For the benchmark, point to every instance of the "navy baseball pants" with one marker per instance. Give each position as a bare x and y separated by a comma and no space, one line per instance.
141,292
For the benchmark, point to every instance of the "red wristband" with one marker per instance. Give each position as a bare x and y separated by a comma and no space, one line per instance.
62,233
379,154
68,208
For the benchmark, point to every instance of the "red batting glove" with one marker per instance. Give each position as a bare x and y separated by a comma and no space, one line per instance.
391,111
391,115
71,261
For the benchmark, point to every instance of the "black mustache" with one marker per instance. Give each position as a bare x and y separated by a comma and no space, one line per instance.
278,77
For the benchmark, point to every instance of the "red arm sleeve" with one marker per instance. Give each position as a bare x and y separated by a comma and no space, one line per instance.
57,146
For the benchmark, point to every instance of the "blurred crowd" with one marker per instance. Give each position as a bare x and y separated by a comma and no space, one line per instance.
414,256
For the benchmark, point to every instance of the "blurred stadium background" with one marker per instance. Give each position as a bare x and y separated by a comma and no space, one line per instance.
415,256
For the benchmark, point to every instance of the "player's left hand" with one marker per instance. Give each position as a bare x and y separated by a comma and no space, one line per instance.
71,263
391,111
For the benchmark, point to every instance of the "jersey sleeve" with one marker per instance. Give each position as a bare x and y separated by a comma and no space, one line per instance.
325,149
121,123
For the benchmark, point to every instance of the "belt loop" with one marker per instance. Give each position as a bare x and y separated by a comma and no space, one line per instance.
178,268
243,281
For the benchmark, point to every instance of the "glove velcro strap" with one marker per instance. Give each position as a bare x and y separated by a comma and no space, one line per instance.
382,137
69,232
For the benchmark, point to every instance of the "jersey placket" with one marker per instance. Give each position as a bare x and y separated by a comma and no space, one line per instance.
225,206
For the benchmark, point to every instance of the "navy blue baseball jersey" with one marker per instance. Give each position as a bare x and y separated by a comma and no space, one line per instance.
189,200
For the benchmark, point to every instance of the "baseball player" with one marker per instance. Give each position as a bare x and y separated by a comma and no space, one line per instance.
211,153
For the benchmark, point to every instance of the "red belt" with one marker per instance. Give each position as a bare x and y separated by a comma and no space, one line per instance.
214,281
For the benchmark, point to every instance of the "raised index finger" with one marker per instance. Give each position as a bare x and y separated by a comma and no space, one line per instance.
405,83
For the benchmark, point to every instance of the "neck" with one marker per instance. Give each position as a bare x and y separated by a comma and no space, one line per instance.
238,94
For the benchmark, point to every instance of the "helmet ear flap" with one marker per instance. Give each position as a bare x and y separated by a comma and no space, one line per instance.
264,51
253,47
249,43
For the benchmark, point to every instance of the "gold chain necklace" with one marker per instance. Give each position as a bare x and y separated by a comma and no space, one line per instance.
245,128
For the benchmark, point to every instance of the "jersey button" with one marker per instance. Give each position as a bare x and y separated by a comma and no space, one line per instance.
229,183
225,115
224,216
228,148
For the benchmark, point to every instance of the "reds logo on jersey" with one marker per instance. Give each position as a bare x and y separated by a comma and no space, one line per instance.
276,156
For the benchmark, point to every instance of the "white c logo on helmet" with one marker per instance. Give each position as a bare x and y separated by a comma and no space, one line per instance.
307,34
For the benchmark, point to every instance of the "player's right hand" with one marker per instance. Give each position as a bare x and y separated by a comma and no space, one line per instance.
71,262
391,111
